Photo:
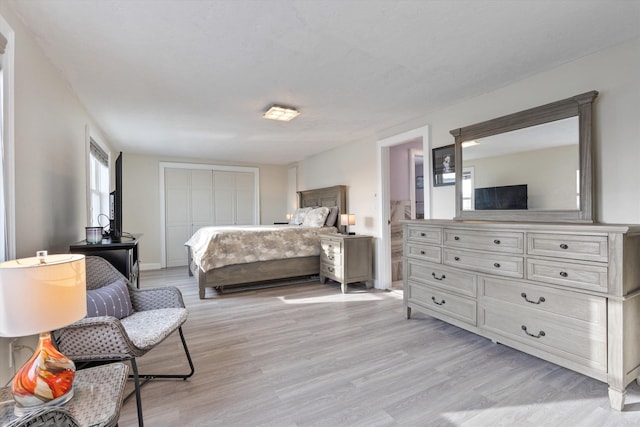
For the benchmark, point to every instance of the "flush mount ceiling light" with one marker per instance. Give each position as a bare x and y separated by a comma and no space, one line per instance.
280,112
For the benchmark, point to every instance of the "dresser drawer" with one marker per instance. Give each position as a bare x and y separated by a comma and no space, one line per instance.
440,301
579,342
501,265
331,271
438,276
424,252
331,251
582,307
583,276
331,246
587,248
331,258
422,234
499,241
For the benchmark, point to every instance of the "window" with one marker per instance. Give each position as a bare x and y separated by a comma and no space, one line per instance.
98,185
7,191
467,189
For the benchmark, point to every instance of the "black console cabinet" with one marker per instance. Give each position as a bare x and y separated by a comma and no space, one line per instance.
123,255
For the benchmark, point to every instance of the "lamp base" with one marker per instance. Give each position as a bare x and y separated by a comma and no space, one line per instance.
19,410
45,380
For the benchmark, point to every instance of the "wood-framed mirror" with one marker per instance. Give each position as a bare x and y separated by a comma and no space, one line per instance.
533,165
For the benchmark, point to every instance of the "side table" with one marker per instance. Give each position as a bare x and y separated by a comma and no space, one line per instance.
97,397
123,255
345,259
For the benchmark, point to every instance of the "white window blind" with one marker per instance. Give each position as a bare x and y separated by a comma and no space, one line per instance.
98,185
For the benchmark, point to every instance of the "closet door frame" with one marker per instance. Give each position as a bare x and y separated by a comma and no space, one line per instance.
211,167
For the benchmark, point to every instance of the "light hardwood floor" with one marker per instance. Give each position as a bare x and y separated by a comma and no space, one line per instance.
306,355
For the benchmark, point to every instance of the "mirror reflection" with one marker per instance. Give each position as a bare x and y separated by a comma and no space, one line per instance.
536,168
416,190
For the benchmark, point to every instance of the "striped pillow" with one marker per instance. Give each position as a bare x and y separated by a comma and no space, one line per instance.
111,300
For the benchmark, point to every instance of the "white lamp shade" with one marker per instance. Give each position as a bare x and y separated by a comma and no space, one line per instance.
39,296
347,219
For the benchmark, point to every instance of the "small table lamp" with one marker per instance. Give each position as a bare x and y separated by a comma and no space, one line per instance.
38,295
347,220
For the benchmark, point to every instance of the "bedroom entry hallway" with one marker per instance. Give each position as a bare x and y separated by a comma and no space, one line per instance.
398,194
307,355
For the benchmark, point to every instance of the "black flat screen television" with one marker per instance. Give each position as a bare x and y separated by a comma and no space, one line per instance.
115,224
505,197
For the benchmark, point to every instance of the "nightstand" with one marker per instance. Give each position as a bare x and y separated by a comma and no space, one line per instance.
345,259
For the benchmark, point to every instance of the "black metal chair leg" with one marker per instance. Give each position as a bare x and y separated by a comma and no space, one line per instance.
186,351
136,383
149,377
146,377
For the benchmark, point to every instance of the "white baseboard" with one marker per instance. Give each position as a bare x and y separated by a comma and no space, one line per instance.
150,266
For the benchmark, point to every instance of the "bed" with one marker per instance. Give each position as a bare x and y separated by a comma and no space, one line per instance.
261,268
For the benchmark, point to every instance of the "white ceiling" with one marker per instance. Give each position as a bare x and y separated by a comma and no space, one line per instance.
191,78
559,133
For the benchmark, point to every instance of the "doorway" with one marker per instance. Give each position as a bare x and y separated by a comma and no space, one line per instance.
395,202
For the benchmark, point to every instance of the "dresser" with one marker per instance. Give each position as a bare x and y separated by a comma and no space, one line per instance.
566,293
345,259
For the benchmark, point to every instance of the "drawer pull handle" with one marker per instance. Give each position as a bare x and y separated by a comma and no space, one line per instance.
497,242
456,258
331,257
496,265
423,235
331,269
438,303
438,278
540,334
541,299
421,252
456,238
564,274
564,246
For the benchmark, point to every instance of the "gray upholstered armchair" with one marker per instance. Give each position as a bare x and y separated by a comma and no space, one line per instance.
122,330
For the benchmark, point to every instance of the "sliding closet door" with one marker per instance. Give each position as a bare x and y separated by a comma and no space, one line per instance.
177,184
245,199
201,200
223,198
196,198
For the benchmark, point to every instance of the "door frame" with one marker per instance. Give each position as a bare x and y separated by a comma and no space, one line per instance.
199,166
383,249
413,190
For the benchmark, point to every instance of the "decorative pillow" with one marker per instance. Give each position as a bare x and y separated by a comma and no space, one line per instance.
298,216
332,217
316,217
111,300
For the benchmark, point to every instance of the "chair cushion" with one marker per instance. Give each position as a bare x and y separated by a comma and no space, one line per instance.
147,328
110,300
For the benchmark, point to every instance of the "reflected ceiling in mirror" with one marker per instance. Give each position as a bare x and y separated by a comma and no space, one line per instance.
547,135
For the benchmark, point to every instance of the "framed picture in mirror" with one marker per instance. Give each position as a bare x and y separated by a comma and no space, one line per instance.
444,171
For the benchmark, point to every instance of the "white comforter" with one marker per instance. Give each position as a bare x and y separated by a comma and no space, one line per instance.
213,247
